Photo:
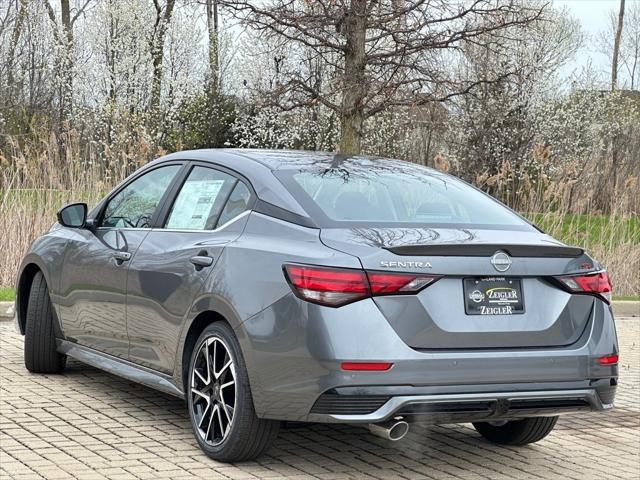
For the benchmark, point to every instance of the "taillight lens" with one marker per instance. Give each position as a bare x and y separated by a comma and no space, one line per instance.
594,284
327,286
335,287
385,283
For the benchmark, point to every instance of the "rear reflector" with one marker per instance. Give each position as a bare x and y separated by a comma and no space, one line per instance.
335,287
366,366
594,284
608,360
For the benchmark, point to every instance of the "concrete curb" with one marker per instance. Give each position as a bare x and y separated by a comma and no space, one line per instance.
626,308
6,311
621,308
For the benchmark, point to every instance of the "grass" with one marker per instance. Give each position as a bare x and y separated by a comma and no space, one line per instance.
626,298
7,294
584,230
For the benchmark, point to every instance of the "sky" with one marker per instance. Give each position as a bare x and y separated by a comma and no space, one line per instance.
594,17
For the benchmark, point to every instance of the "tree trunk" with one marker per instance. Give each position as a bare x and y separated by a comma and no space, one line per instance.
214,63
11,54
157,49
66,65
616,48
354,89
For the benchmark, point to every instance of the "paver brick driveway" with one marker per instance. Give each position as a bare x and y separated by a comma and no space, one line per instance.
89,424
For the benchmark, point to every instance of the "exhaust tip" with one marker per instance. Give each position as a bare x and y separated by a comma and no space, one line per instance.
398,431
393,430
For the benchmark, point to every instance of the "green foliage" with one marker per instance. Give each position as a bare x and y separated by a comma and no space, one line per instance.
584,230
202,121
7,294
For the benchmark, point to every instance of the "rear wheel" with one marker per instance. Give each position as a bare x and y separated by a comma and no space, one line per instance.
40,353
517,432
219,399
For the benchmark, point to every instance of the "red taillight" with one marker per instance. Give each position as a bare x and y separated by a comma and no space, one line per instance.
327,286
366,366
338,286
383,283
595,284
608,359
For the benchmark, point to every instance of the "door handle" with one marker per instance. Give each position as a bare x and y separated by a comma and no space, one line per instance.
121,256
201,261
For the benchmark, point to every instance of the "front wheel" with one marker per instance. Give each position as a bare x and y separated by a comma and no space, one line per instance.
517,432
219,398
40,354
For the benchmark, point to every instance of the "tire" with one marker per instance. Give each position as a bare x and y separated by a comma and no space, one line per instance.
517,432
40,353
229,431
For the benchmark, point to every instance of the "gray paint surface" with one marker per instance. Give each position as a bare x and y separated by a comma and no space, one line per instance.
134,318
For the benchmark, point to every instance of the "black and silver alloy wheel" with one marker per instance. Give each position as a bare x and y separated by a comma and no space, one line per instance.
219,398
213,391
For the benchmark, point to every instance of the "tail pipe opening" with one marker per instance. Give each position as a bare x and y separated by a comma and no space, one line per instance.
393,430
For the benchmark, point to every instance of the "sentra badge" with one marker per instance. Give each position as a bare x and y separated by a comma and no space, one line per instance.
394,264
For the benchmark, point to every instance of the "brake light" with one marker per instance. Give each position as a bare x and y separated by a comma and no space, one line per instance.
593,284
383,283
335,287
327,286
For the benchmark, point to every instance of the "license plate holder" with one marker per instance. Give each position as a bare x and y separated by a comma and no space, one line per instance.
493,296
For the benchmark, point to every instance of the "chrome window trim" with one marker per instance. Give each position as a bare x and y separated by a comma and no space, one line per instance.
160,229
224,225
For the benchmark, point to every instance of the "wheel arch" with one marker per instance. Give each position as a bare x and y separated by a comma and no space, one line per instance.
205,311
199,323
30,267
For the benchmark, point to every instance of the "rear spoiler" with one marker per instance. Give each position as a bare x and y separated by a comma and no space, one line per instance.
486,250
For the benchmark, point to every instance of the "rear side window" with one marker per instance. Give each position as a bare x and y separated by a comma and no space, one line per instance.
394,195
238,202
200,200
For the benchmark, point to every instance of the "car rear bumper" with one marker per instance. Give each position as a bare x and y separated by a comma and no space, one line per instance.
460,407
294,352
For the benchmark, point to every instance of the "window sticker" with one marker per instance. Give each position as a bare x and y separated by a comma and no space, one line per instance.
193,205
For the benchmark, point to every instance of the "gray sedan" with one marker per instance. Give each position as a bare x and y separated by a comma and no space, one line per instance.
269,286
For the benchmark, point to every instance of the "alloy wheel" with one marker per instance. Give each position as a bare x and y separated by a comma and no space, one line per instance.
213,391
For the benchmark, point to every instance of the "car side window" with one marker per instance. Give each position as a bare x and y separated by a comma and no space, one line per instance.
238,202
200,199
135,204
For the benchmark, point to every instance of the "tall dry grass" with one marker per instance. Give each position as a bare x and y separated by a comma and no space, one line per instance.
568,202
36,180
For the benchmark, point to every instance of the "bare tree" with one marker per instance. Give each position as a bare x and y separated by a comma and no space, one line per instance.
616,47
631,41
162,19
214,62
63,34
18,25
378,54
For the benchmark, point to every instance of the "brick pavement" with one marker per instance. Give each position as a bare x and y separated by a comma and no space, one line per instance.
89,424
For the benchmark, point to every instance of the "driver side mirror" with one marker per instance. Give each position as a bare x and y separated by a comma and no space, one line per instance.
73,215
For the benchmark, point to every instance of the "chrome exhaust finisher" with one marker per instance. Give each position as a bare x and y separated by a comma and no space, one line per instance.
393,430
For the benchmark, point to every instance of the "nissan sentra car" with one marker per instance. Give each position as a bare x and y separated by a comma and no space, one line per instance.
270,286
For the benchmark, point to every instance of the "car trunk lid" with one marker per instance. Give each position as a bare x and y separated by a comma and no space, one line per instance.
444,315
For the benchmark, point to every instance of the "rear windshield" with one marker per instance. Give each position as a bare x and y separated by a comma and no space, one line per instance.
396,195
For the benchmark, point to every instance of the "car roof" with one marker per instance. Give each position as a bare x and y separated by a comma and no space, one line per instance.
278,159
